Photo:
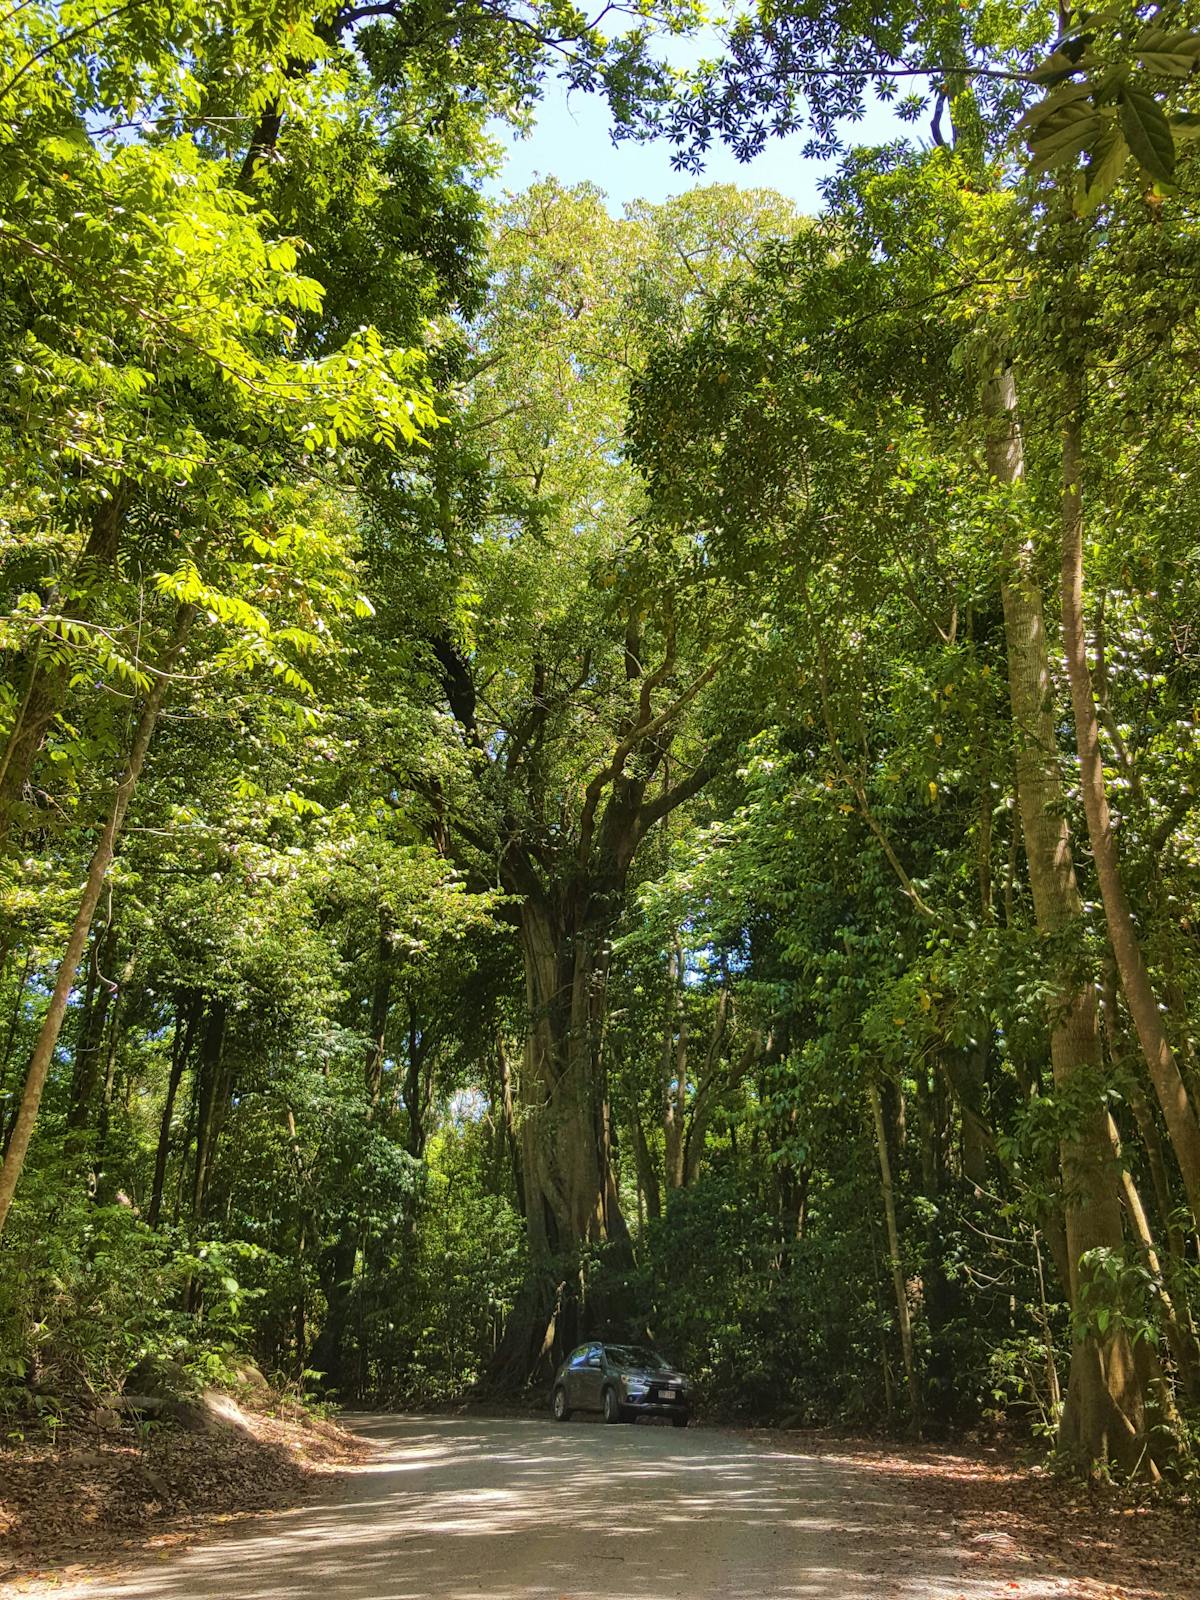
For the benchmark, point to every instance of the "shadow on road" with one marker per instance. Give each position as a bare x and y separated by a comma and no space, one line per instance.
454,1509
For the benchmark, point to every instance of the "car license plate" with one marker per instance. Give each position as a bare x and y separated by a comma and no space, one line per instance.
666,1394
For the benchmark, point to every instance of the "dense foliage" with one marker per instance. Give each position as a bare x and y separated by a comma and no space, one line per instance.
566,773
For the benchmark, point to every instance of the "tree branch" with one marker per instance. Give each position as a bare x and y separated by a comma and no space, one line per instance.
642,732
457,685
670,799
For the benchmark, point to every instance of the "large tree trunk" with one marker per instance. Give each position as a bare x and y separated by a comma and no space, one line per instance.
570,1194
1104,1416
566,1146
93,886
570,896
1178,1110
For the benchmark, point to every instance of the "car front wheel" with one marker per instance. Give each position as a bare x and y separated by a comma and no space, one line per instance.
559,1406
680,1422
612,1407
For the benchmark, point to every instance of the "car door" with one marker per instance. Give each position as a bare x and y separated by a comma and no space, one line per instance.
588,1377
579,1378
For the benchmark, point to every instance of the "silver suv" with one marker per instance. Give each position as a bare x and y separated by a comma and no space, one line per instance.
622,1382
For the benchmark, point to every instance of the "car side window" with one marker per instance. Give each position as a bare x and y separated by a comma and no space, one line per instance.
581,1358
593,1357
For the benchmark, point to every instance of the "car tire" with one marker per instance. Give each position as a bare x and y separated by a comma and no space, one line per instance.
680,1422
612,1408
558,1405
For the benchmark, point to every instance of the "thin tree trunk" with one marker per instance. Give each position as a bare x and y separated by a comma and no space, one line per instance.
338,1262
1053,1390
964,1073
414,1085
1147,1126
181,1048
108,1086
648,1184
1168,1213
1178,1111
337,1281
897,1265
1143,1112
300,1308
209,1084
675,1066
509,1121
1182,1346
92,1026
702,1096
381,1000
47,1040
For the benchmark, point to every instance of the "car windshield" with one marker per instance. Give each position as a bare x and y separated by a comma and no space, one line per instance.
635,1355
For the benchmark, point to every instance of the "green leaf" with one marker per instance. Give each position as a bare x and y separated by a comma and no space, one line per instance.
1147,131
1105,165
1060,147
1065,95
69,145
1167,65
1169,54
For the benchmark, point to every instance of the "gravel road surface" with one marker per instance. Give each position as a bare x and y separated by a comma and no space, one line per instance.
455,1509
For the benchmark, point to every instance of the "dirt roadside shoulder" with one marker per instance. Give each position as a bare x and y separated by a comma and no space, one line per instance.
1112,1542
94,1500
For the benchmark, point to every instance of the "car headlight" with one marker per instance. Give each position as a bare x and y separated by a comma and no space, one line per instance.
632,1388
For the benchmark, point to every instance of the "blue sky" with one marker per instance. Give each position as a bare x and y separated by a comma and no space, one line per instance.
571,142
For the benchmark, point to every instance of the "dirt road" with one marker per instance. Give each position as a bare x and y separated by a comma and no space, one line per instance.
455,1509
